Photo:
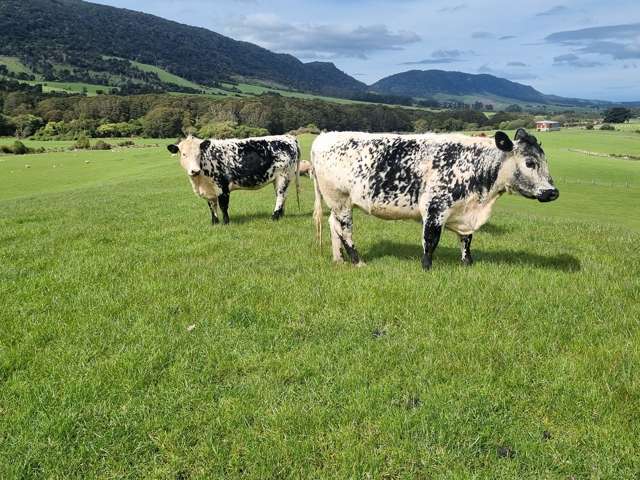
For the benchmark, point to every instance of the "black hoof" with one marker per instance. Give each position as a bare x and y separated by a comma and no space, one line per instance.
277,215
467,262
426,263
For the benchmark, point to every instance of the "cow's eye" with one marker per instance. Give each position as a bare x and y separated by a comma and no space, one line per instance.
530,164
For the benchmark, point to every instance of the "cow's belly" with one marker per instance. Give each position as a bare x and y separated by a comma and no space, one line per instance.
468,216
390,211
241,186
398,208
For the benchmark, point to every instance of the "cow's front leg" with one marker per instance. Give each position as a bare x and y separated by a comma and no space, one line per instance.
223,200
465,248
213,206
281,186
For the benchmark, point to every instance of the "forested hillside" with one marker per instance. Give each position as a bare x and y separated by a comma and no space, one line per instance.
73,40
441,83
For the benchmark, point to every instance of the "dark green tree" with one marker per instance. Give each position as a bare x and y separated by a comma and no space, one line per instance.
514,108
617,115
163,122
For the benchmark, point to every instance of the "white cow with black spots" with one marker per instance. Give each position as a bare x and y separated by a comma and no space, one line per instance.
217,167
446,180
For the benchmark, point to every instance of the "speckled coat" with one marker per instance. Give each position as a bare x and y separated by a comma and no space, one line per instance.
217,167
447,180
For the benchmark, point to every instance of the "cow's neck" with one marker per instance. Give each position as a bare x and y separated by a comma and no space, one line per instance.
489,181
506,165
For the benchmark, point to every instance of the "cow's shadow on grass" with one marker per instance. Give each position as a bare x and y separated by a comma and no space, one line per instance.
242,218
562,262
493,229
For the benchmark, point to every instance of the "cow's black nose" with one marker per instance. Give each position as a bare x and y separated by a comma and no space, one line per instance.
549,195
194,173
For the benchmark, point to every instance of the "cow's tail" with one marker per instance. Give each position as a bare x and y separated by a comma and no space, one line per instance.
298,174
317,207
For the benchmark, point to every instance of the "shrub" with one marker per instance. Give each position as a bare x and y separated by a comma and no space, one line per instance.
126,143
82,143
606,126
26,125
589,126
121,129
230,130
101,145
20,148
524,122
311,128
52,130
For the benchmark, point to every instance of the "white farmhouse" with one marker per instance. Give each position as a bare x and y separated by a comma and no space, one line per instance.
547,126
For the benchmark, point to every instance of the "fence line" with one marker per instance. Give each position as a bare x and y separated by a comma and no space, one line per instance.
595,183
624,156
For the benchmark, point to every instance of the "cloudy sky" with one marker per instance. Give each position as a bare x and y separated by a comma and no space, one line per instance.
587,48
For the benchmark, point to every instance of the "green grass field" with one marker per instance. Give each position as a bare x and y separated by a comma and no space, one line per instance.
14,65
138,341
246,89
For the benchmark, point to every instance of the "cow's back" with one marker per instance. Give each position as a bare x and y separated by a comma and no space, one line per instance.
379,173
253,162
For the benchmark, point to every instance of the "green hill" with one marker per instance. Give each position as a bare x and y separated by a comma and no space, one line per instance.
467,87
73,40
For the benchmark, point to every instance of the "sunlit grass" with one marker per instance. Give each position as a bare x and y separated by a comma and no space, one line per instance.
138,341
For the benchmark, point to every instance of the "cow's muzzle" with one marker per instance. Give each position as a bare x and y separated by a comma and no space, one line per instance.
194,172
549,195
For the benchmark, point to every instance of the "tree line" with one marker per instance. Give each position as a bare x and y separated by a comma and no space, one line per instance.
27,111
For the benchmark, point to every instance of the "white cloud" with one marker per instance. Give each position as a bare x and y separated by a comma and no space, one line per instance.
317,40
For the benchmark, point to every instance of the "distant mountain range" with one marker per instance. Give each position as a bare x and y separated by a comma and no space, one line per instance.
447,84
424,84
74,40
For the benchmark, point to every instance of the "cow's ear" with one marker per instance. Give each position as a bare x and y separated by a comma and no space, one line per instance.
173,149
204,145
503,142
521,134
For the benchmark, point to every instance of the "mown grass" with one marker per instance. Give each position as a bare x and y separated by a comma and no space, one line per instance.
57,144
137,341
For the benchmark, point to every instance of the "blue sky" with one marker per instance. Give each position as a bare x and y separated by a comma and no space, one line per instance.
586,49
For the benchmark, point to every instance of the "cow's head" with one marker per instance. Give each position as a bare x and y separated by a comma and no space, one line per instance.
190,150
526,170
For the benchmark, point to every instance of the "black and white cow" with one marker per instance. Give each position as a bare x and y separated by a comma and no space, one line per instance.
217,167
447,180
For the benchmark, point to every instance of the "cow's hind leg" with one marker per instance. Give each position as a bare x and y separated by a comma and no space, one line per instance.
223,200
336,244
213,206
281,186
465,248
341,222
432,228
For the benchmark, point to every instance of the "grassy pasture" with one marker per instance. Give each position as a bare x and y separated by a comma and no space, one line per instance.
14,64
137,341
54,144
